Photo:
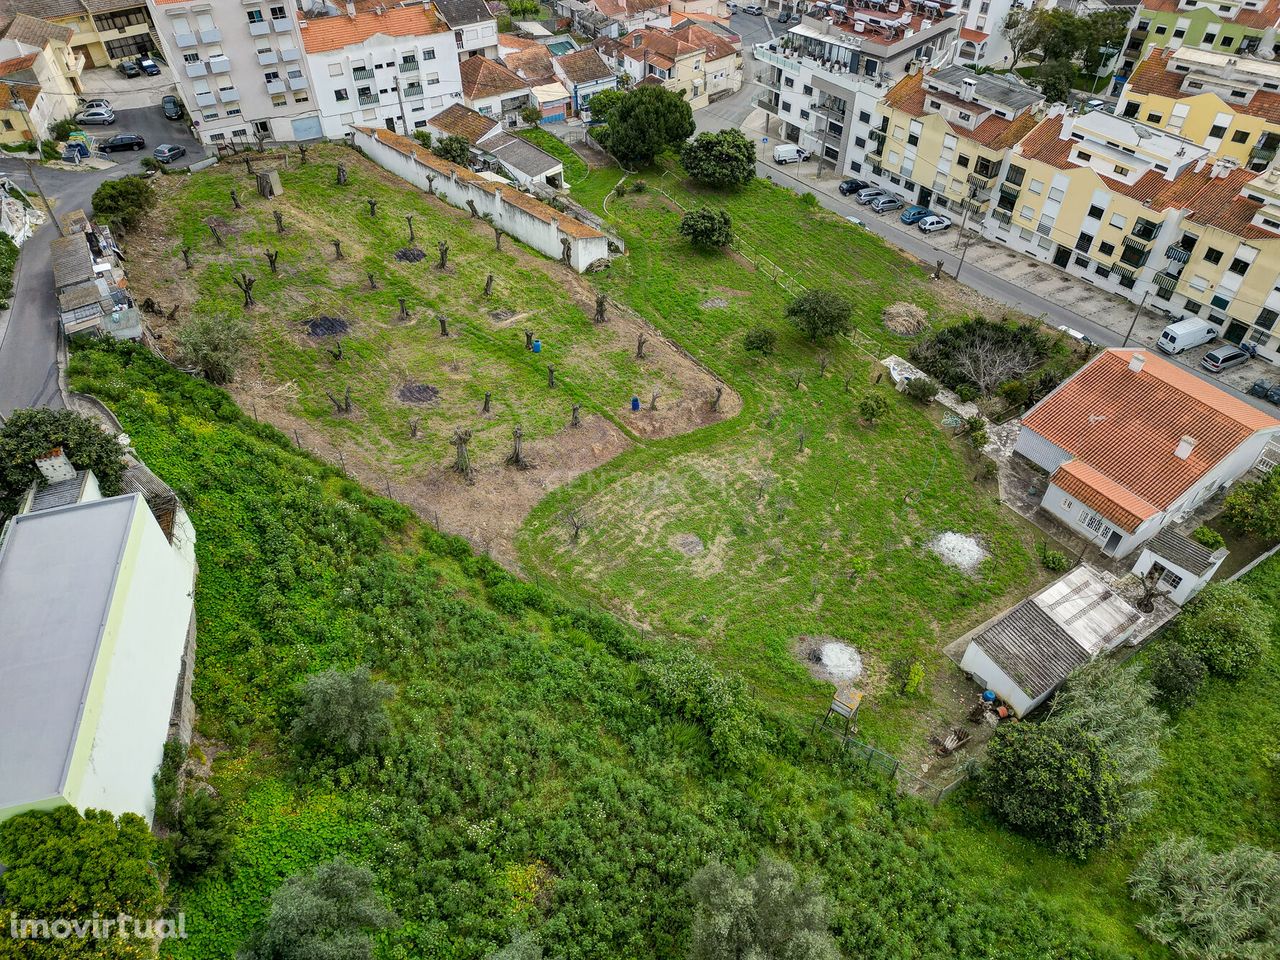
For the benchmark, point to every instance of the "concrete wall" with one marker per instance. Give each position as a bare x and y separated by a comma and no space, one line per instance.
457,186
134,684
988,675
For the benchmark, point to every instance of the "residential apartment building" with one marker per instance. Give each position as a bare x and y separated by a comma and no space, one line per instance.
39,91
981,40
379,66
1226,103
691,60
1227,26
824,80
943,136
54,39
239,68
103,32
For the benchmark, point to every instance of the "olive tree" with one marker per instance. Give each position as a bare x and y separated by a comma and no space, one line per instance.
707,227
342,714
216,346
821,313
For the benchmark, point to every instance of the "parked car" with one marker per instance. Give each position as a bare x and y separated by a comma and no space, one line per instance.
1223,358
98,104
914,214
122,141
169,152
784,17
149,66
886,203
1261,388
855,221
1075,334
1273,395
1186,334
754,9
171,107
129,68
852,185
789,153
870,193
1094,104
102,115
933,223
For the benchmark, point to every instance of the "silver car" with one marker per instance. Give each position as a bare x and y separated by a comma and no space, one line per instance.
870,193
1223,358
886,203
102,115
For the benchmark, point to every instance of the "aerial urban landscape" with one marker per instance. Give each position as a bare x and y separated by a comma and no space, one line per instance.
567,479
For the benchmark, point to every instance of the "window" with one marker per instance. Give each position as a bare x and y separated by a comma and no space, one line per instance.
1209,38
1217,131
7,124
1191,306
1239,266
1095,523
341,95
335,69
123,19
1118,221
191,58
1096,212
279,13
254,16
964,161
864,117
806,89
301,97
271,76
1130,109
1179,33
1106,249
1015,175
1240,136
209,115
428,54
1086,157
279,100
1026,213
1084,242
788,82
233,112
1036,186
804,114
1212,256
1160,30
1122,171
1154,118
262,127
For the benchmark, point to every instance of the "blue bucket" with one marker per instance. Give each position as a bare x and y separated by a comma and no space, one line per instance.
537,346
635,404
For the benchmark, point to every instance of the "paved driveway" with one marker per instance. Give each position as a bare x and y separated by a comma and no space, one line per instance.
151,123
123,92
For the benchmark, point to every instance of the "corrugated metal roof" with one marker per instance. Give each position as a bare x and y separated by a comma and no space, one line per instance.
60,494
1186,553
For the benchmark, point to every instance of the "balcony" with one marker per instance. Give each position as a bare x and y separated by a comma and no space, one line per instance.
275,87
229,95
409,66
283,25
267,57
877,135
981,180
290,55
1009,190
185,40
413,90
219,65
1004,216
362,73
1262,155
1166,281
211,36
258,28
1145,230
1180,254
197,69
368,99
767,105
1134,242
206,99
297,83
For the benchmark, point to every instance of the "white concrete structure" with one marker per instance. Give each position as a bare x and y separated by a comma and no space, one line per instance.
1182,566
384,66
239,68
1132,444
1025,653
530,221
474,26
97,614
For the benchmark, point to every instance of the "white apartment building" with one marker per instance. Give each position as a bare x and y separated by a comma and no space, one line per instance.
474,26
395,67
239,67
981,41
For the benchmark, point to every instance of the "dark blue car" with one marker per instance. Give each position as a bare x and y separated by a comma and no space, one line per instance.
915,214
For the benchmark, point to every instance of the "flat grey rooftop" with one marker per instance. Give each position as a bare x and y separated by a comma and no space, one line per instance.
1031,648
991,87
57,576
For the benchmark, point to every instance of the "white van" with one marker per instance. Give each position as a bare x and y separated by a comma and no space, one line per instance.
1186,334
789,153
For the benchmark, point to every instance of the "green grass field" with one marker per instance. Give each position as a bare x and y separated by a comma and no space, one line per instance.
575,168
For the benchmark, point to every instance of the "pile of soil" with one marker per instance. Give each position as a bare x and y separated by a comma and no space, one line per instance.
418,393
690,544
906,319
410,255
501,315
323,326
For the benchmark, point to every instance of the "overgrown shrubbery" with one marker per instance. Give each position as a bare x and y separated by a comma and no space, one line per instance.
28,434
341,714
760,340
1254,507
1177,675
216,346
921,389
1226,626
124,202
1208,537
453,148
983,354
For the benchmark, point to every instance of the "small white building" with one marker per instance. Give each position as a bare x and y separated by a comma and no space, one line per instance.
1181,565
1025,653
495,150
381,65
1133,443
474,26
96,629
491,89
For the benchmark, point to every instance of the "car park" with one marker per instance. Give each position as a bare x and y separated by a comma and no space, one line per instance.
1186,334
933,223
851,185
870,193
122,141
886,203
914,214
169,152
171,107
1223,358
129,69
102,115
149,66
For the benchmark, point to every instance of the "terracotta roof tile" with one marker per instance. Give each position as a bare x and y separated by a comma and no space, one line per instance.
583,66
714,44
25,28
9,67
907,94
975,36
1125,426
531,63
1098,491
323,34
1155,77
481,78
463,122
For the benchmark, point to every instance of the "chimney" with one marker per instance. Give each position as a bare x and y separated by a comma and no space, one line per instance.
967,86
1136,361
55,466
1185,446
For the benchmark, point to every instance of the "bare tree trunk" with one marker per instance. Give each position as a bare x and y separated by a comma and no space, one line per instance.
245,283
373,207
337,249
575,419
471,205
262,139
802,434
342,175
462,464
566,251
336,351
517,459
373,282
576,524
715,401
404,310
172,315
824,361
847,381
653,400
409,219
413,428
272,257
488,399
641,340
528,339
937,271
551,375
431,184
235,199
444,324
601,302
279,220
217,237
186,257
302,154
443,247
771,419
497,238
796,377
248,165
488,285
343,405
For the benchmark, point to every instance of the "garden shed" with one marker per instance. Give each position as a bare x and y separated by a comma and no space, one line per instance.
1182,565
1025,653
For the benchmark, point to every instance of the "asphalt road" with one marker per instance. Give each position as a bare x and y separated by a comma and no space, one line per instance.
29,335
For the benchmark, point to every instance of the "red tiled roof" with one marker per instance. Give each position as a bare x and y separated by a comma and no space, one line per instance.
975,36
716,45
463,122
1123,427
481,78
621,9
531,63
323,34
1154,76
12,66
583,66
509,41
909,95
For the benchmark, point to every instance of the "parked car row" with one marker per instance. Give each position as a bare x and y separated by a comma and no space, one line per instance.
1266,390
143,66
883,201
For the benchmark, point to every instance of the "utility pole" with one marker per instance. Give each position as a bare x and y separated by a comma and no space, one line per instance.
404,119
1134,321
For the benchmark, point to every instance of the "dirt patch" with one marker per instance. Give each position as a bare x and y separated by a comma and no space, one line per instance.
830,659
905,319
326,326
959,550
418,393
690,544
715,303
410,255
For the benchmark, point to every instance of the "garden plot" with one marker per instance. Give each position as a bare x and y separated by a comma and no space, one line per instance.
368,351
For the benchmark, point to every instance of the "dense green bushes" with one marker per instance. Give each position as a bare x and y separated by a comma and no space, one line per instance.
28,434
1226,626
983,354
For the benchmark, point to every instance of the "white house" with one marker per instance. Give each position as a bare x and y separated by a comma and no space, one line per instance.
1182,566
474,26
98,623
1023,654
1133,443
495,149
491,89
384,65
584,75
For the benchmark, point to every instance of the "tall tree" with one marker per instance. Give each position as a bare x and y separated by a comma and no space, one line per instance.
723,159
821,313
453,148
647,121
